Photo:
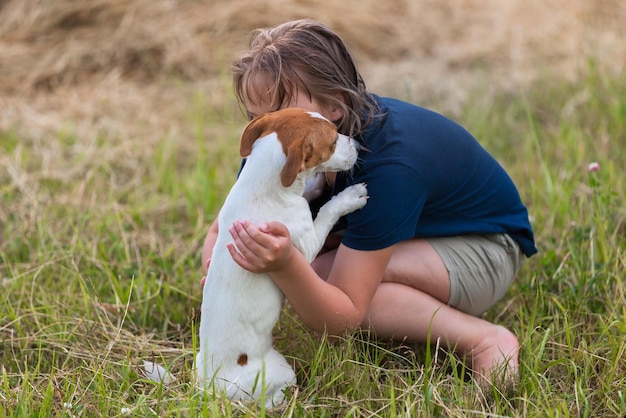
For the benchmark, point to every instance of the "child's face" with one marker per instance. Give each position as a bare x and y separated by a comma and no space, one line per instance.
263,103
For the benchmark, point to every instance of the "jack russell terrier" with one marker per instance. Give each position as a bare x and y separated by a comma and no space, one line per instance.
284,149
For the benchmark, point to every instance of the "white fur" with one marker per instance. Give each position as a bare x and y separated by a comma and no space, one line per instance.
240,308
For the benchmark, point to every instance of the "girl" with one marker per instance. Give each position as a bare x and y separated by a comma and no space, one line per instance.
444,231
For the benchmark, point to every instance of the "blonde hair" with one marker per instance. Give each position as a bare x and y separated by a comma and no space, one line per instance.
305,55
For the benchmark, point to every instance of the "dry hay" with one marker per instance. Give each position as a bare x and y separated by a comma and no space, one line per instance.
109,64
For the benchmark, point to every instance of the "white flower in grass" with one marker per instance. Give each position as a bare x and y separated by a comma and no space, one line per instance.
126,411
67,405
592,167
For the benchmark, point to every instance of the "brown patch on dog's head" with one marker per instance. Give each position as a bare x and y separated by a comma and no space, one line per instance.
242,360
307,140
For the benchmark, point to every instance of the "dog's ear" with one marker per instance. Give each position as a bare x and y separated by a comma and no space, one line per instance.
310,144
251,133
294,163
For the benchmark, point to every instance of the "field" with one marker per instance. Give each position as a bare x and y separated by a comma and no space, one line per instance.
118,143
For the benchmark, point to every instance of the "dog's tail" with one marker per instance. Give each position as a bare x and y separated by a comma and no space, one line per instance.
157,373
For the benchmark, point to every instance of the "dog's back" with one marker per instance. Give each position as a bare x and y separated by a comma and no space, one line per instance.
239,308
252,301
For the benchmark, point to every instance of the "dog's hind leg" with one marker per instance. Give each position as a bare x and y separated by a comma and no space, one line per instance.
279,376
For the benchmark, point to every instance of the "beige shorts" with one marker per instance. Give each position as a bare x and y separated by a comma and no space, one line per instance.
481,268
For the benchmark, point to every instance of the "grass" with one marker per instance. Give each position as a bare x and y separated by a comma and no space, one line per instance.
99,270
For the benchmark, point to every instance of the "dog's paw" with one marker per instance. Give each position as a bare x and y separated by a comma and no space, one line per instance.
356,193
351,199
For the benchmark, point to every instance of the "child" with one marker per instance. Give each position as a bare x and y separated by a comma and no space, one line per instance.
444,231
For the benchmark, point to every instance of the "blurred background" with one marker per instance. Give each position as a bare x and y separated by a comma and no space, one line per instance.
131,68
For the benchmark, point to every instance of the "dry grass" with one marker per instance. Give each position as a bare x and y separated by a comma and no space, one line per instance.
112,64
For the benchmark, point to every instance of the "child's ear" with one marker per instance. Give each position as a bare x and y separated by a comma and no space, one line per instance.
334,109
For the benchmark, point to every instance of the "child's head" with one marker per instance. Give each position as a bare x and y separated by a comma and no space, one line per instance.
307,57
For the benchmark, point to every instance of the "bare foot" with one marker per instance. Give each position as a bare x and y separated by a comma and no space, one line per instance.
495,360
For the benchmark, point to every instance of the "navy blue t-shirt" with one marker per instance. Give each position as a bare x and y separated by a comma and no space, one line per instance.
427,176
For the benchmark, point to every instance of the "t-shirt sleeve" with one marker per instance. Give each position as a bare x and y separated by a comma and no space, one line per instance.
392,210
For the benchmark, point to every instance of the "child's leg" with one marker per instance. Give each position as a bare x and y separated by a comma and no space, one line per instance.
399,311
412,302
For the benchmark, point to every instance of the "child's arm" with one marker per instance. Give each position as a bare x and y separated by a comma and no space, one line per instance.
209,243
338,305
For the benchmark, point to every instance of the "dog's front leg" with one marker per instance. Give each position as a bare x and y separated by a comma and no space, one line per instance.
347,201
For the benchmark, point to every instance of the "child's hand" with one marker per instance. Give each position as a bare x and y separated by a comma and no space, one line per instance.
260,249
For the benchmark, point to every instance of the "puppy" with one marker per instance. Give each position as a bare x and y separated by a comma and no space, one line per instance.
240,308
